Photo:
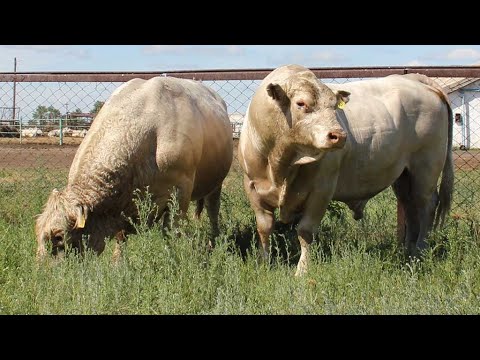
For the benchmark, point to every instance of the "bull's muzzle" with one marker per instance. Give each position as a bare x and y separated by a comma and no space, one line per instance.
336,139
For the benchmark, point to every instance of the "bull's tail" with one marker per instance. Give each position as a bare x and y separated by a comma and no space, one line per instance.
199,208
446,184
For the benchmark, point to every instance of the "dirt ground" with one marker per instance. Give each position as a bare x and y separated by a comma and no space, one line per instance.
45,152
31,155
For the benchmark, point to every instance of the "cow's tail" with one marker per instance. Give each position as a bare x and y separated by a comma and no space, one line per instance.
446,185
199,208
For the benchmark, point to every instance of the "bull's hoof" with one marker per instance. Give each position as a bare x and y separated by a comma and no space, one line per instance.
301,271
210,245
41,255
116,257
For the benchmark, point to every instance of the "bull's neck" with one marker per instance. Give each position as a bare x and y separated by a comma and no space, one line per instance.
93,191
280,160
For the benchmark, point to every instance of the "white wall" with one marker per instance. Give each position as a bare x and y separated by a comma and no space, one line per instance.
471,120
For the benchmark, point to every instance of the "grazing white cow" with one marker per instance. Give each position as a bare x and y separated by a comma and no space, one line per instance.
31,132
164,133
304,143
54,133
79,133
67,132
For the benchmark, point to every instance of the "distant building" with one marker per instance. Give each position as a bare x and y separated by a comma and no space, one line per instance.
79,119
78,115
236,121
464,94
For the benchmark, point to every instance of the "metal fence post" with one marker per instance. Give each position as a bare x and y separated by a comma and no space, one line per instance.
20,131
61,131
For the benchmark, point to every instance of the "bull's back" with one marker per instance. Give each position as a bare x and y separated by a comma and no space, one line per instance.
388,121
147,120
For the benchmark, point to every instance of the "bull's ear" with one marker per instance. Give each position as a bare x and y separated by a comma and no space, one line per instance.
277,93
342,98
82,213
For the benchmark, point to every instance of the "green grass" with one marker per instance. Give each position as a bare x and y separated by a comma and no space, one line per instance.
356,267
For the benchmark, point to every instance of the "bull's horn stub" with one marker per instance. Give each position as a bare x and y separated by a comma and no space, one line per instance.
81,222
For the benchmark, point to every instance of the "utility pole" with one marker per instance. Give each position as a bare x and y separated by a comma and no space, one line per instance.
14,87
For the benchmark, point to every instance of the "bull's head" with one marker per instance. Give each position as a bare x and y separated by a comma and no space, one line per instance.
60,224
309,109
310,112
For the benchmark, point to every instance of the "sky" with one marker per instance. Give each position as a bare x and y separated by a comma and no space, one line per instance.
159,58
90,58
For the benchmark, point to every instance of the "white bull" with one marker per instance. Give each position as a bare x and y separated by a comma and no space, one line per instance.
304,143
165,134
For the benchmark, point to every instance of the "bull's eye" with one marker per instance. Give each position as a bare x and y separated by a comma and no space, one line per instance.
57,239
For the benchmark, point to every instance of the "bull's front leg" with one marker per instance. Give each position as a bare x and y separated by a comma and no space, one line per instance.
265,224
41,249
311,219
265,219
120,238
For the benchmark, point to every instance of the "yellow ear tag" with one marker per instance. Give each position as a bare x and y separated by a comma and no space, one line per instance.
81,222
341,104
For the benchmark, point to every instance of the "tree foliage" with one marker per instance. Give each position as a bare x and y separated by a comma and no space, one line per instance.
43,112
97,106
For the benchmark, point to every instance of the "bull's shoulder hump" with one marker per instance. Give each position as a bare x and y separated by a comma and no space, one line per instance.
128,87
283,72
182,87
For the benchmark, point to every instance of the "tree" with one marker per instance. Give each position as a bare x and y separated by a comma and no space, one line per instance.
43,112
97,106
40,112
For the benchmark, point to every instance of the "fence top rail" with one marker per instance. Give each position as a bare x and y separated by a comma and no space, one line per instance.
240,74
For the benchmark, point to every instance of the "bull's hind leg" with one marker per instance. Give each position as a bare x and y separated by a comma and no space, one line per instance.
402,188
182,197
212,203
426,201
417,191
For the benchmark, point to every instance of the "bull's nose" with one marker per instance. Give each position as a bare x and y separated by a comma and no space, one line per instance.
337,138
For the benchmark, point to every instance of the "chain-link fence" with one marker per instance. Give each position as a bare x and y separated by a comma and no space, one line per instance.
44,117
